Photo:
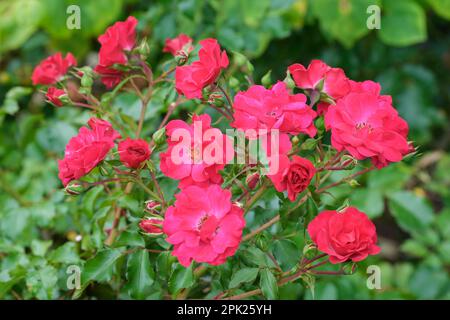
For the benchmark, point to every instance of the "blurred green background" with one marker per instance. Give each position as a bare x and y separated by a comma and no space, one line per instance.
410,56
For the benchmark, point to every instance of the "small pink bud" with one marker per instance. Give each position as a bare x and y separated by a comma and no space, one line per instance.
152,206
152,226
252,180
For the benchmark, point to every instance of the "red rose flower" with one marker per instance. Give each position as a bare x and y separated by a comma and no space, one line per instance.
293,176
191,79
53,94
261,108
86,150
52,69
347,235
188,158
133,152
152,226
203,225
366,125
335,83
180,43
117,39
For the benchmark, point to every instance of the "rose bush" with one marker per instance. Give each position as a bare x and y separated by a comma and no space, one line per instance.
317,122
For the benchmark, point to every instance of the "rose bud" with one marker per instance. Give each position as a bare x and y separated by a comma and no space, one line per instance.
54,96
152,226
152,206
133,152
74,188
252,180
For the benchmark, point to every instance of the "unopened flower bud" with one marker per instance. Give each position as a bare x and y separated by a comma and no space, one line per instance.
349,267
152,226
262,242
252,180
159,137
353,183
309,144
289,82
215,98
348,162
144,49
86,81
310,250
74,188
181,57
152,206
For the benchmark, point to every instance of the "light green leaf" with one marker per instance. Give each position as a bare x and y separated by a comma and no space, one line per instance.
412,213
403,23
181,278
286,253
140,274
245,275
268,284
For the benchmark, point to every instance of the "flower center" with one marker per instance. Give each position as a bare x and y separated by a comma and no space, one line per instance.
136,151
208,227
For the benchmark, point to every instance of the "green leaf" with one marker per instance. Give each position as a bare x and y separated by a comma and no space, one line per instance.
369,201
268,284
66,254
39,248
181,278
140,274
19,19
412,213
245,275
403,23
99,268
286,253
441,7
129,238
345,21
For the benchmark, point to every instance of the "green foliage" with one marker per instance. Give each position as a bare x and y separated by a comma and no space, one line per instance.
43,232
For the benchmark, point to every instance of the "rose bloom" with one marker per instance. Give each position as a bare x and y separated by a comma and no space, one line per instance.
53,94
261,108
133,152
335,83
180,43
191,79
52,69
203,225
152,226
188,161
293,176
366,125
347,235
117,39
86,150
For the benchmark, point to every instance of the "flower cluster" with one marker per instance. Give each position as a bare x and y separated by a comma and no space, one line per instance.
206,222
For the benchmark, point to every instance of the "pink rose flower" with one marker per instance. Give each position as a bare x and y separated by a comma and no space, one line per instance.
191,79
188,161
335,83
52,69
178,44
53,94
133,152
347,235
86,150
366,125
261,108
203,225
116,40
293,176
